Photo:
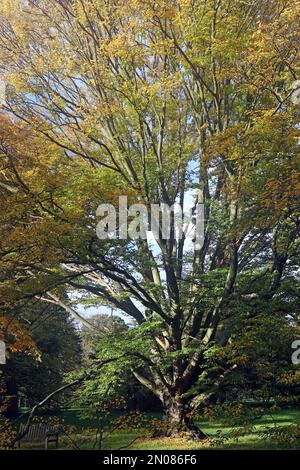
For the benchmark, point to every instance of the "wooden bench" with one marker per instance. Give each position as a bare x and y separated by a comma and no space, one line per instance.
39,432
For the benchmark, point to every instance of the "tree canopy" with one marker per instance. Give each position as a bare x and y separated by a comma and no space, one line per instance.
159,101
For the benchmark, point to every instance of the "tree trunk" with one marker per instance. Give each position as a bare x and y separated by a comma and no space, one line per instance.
177,422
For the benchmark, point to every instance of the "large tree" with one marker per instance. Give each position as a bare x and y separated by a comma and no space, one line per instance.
155,100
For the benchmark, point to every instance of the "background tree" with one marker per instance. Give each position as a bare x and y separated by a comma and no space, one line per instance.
58,342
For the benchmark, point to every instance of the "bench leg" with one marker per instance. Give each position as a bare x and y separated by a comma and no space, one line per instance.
50,439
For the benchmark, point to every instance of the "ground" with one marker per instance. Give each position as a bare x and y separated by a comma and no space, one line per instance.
82,431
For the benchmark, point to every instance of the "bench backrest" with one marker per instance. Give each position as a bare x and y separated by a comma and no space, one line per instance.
37,431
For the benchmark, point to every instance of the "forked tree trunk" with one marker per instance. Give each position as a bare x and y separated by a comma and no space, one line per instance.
177,421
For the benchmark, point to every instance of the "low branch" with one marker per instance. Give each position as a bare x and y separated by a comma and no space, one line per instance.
76,382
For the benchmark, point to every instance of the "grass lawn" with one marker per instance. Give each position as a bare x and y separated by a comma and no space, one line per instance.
81,429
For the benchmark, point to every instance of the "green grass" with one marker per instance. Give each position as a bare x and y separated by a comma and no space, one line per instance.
81,429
